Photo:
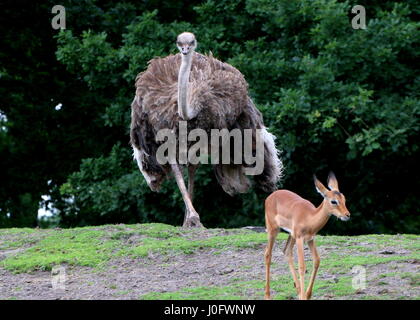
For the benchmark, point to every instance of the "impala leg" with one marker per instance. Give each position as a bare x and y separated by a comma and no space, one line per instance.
301,260
192,218
289,253
272,234
316,261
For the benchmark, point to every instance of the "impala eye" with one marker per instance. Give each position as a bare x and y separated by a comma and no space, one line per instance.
334,202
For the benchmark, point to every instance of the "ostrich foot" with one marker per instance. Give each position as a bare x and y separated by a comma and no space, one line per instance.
267,297
192,221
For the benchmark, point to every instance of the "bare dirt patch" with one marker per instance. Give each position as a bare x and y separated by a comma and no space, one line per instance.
128,278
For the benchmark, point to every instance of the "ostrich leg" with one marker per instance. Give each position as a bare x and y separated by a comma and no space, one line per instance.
191,174
192,218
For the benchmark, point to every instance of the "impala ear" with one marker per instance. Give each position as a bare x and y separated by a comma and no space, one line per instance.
320,187
332,181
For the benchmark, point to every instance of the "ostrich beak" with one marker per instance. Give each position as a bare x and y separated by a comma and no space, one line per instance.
185,50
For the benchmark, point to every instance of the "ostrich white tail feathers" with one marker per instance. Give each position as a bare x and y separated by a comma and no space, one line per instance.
233,179
144,147
273,167
139,156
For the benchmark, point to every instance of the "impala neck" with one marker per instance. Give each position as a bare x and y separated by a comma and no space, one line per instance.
184,110
320,218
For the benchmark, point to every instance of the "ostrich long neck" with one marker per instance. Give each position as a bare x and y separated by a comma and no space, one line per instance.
184,109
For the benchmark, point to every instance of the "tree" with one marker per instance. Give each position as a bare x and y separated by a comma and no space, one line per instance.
336,98
49,117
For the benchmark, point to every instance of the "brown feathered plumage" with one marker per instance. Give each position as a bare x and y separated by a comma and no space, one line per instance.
218,93
221,93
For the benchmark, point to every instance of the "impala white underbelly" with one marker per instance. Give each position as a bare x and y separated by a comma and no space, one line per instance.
286,229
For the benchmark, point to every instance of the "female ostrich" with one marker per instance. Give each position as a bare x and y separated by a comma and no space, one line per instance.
208,94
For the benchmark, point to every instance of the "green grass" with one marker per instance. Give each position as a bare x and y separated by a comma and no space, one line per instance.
17,238
281,289
237,290
199,293
122,293
151,230
374,241
414,278
96,246
381,297
17,244
337,263
81,246
16,231
244,239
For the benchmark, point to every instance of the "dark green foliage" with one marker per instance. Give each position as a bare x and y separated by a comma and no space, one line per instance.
336,98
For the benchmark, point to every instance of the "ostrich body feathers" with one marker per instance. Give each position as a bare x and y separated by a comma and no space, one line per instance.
218,93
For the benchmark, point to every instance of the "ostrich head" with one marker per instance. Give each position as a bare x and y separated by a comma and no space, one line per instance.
186,43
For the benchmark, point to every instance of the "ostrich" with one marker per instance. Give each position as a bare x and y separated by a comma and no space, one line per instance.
208,94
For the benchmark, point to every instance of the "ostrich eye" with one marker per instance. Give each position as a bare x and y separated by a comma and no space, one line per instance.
334,202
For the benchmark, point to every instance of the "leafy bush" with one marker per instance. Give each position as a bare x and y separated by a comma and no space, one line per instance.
335,97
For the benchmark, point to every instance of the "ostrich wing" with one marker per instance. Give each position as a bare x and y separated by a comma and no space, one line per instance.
220,93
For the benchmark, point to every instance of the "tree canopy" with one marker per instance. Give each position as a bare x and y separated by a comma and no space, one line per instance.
336,98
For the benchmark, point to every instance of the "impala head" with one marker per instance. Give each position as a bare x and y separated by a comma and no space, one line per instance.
334,200
186,43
